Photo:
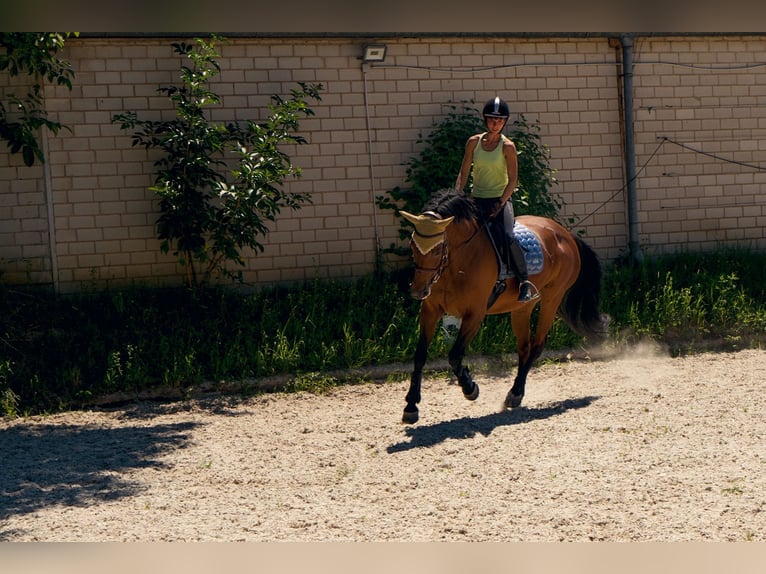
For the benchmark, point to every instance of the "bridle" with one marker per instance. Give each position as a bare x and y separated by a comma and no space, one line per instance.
439,269
443,259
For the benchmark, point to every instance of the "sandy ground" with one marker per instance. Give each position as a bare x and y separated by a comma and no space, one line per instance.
642,447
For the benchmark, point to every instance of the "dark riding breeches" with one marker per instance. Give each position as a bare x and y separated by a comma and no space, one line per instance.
501,226
508,249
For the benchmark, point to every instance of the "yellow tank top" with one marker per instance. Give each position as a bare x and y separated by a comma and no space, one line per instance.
490,172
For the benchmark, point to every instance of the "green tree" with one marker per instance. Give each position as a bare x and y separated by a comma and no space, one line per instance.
34,54
439,162
206,217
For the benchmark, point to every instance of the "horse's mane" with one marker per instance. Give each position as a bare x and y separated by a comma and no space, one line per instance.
450,201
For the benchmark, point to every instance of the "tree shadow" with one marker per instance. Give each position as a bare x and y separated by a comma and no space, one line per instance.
77,465
467,427
219,405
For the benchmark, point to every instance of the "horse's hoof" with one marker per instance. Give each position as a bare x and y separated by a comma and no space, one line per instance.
512,401
409,418
474,394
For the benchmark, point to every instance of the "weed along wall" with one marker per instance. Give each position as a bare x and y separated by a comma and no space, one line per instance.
87,216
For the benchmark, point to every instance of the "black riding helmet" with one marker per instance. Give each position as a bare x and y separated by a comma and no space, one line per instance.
496,108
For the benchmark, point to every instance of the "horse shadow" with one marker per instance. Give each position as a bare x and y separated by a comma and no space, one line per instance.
78,465
467,427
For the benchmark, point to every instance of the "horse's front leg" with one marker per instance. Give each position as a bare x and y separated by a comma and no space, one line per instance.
411,414
429,318
468,329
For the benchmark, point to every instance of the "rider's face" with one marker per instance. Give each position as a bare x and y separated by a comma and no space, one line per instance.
495,124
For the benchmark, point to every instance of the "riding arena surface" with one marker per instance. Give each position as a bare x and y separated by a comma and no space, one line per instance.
635,447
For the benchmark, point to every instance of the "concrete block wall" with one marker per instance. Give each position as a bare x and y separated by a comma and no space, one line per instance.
103,215
24,240
703,187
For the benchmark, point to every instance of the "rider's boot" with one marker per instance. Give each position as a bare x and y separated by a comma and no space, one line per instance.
497,237
517,264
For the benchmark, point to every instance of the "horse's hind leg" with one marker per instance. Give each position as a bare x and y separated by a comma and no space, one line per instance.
516,394
529,349
468,329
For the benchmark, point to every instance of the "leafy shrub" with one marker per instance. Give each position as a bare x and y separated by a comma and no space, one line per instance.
206,217
21,117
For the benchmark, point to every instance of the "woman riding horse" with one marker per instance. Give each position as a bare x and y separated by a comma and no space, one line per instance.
455,274
495,176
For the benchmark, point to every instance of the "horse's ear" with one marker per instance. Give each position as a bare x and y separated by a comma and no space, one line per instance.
409,217
427,225
415,219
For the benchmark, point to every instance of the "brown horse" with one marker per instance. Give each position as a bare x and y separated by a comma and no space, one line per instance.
455,272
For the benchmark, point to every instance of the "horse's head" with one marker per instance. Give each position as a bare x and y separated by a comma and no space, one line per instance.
429,250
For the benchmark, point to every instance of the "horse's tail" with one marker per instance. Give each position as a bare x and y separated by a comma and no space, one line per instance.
580,308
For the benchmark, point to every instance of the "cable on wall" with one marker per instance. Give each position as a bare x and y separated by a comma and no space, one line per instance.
619,191
378,248
605,62
663,139
48,182
712,155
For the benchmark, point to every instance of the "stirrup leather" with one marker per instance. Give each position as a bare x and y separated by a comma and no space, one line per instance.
497,290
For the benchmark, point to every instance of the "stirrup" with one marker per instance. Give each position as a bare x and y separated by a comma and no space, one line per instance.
531,296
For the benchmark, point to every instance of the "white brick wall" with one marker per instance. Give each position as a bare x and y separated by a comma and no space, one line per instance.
104,215
714,104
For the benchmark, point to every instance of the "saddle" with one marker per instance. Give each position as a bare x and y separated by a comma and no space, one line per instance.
530,246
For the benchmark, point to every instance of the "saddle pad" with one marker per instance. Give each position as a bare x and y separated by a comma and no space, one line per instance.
530,245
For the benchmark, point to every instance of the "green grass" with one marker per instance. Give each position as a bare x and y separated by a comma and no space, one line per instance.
689,299
58,353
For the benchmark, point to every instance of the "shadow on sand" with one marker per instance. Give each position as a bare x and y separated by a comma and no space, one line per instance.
467,427
77,465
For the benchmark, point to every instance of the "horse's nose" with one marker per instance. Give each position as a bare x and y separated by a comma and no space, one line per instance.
418,293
